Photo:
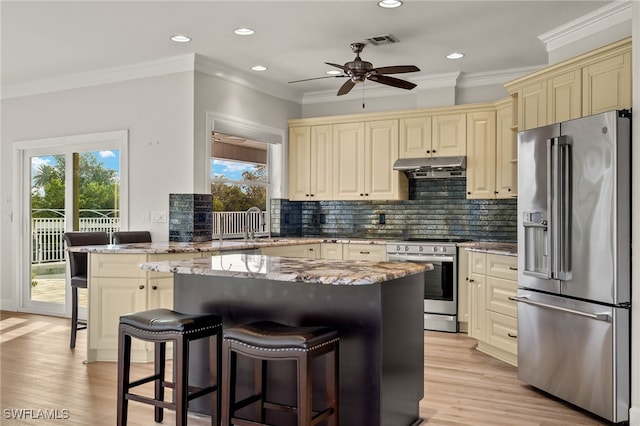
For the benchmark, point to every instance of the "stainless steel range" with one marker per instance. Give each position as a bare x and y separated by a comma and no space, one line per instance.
440,284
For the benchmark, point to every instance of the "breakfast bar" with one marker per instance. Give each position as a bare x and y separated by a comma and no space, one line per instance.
376,307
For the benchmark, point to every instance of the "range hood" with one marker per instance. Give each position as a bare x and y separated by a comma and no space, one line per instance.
432,167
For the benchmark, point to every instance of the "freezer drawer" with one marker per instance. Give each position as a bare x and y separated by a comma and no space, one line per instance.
577,351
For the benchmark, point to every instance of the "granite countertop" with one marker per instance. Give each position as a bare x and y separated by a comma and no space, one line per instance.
211,246
292,269
494,247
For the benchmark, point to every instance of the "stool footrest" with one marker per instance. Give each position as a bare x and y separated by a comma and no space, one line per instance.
247,401
151,401
144,380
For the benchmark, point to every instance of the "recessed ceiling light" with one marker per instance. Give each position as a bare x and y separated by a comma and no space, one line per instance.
259,68
179,38
389,4
243,31
455,55
334,72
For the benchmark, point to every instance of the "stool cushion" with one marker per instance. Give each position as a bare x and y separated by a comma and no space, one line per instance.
272,335
164,320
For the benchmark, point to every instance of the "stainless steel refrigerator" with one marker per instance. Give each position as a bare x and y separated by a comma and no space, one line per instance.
574,252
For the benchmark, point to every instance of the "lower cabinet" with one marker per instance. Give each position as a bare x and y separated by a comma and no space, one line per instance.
370,252
492,316
117,286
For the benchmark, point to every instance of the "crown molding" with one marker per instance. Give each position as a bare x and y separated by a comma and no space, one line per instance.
607,16
491,78
233,75
104,76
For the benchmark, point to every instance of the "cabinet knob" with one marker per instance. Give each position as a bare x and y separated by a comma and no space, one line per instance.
495,192
154,287
311,195
433,151
509,189
471,281
469,193
306,195
362,195
366,195
513,336
141,287
428,151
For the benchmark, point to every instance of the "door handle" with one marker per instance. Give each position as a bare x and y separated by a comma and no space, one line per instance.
596,316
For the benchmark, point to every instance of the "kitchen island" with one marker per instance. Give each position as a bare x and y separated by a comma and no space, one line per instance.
375,306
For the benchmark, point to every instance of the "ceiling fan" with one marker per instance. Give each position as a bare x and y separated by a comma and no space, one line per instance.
358,70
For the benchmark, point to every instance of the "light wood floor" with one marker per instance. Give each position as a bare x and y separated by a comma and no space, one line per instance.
462,385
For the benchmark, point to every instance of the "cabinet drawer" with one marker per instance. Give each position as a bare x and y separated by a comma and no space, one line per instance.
502,332
478,262
371,252
331,251
502,266
498,293
117,265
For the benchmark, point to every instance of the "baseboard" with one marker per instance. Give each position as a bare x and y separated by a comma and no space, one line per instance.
634,416
8,305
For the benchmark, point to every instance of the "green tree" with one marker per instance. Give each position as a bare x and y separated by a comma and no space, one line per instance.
98,186
238,197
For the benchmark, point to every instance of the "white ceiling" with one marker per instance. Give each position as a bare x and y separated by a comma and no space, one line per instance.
48,39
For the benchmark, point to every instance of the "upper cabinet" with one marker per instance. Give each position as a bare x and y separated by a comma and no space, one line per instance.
363,157
595,82
310,157
481,154
506,151
439,135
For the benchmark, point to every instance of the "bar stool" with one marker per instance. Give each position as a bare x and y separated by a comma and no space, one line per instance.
162,326
269,341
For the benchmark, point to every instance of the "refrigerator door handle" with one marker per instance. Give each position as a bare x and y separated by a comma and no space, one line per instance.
560,195
596,316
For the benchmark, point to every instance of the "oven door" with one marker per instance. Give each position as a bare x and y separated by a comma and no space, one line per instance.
440,284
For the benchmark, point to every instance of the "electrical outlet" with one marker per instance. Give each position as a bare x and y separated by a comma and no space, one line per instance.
159,216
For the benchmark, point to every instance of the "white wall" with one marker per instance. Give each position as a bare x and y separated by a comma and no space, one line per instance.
158,113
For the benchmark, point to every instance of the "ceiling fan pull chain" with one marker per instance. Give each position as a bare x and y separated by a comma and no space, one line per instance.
363,94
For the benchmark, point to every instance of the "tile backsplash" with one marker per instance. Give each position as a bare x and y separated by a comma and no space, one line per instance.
437,208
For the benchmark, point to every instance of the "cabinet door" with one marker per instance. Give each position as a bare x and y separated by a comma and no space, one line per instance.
111,298
299,162
415,137
298,250
371,252
160,293
449,135
506,154
331,251
381,151
477,305
532,105
502,333
463,288
321,161
607,85
348,161
481,154
564,97
498,293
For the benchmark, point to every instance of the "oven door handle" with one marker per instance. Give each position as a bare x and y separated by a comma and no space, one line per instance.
420,259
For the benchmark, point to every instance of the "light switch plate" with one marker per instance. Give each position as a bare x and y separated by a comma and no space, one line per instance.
159,216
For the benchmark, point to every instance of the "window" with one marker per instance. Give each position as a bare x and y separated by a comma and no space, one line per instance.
239,181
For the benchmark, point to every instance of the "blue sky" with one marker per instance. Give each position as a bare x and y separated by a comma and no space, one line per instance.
230,169
110,160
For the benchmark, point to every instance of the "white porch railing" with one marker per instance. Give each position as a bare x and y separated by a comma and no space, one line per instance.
48,244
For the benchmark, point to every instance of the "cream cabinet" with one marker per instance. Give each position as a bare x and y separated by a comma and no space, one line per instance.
371,252
607,83
118,286
331,251
312,251
493,316
595,82
310,162
481,154
363,157
438,135
463,291
506,150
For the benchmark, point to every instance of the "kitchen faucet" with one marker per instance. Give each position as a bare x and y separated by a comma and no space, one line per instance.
248,230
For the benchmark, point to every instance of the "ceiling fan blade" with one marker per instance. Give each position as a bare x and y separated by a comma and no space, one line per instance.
397,69
317,78
346,87
342,67
392,81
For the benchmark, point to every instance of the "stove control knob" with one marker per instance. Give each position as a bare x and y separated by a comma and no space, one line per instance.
435,249
406,248
397,248
420,248
444,249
